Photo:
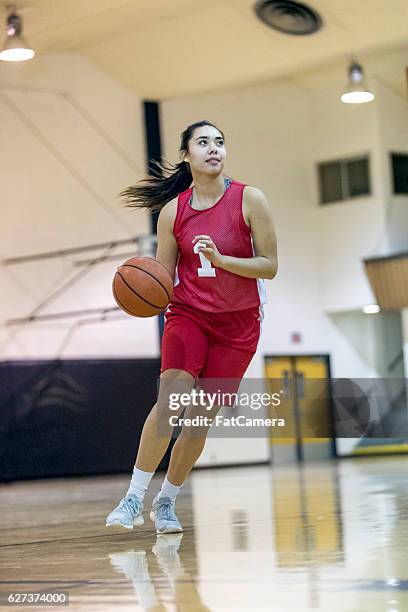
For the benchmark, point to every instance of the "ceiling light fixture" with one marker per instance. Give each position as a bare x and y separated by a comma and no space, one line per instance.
356,91
15,48
371,309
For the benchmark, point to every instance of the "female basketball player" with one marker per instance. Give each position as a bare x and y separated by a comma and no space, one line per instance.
217,239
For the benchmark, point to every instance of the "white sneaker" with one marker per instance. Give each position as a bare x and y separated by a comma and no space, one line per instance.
164,516
128,513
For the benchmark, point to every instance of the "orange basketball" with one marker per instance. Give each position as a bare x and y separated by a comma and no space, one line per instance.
142,286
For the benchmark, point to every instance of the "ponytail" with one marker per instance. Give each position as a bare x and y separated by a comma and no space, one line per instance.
167,181
155,191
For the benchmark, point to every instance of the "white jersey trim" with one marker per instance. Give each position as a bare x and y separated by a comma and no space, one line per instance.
260,284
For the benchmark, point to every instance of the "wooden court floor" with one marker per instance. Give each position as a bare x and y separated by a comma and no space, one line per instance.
328,536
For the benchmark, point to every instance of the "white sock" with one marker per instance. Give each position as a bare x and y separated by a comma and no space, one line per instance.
168,489
139,482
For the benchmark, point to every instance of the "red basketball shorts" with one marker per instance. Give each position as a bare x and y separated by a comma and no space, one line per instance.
210,345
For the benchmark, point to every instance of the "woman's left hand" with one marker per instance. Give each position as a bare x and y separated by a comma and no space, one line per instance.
208,249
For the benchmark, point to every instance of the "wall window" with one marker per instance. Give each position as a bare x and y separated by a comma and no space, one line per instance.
399,165
343,179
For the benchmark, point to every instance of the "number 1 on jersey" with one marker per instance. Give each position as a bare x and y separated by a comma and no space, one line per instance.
206,267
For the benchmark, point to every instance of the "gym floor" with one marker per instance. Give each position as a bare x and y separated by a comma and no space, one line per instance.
330,536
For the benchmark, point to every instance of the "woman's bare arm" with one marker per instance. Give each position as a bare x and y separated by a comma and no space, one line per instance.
167,247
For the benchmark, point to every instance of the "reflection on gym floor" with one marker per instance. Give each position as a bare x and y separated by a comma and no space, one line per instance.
329,536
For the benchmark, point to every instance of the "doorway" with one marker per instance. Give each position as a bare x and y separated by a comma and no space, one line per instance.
303,382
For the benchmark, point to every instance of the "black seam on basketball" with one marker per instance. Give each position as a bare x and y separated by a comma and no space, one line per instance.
153,259
118,301
150,274
136,293
123,307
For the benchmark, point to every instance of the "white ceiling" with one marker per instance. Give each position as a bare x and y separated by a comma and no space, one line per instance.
167,48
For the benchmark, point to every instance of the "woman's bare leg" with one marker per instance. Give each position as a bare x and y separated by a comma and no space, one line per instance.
154,441
157,431
188,447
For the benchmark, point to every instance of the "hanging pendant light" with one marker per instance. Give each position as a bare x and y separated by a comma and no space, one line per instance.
356,91
15,48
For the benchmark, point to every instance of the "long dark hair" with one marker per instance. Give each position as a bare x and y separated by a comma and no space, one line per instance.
167,181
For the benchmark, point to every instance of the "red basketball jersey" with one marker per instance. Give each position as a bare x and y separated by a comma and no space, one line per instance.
198,283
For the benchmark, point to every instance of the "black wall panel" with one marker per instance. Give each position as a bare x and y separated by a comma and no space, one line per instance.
73,417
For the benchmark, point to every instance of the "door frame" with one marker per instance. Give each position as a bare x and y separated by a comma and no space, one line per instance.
326,359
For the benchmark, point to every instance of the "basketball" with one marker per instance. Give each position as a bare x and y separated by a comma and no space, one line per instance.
142,287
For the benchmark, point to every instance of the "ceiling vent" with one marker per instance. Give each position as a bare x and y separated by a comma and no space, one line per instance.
288,17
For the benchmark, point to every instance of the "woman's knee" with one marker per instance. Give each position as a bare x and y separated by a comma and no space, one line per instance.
198,420
193,436
174,384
